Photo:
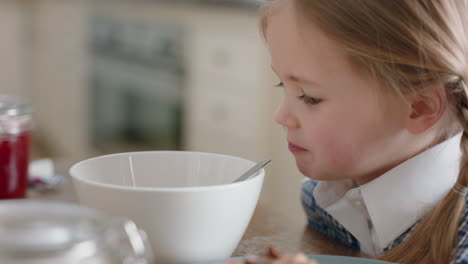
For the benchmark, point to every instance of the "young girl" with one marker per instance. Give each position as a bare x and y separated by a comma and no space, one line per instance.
376,113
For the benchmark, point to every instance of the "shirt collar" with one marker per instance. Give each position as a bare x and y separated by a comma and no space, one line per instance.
396,200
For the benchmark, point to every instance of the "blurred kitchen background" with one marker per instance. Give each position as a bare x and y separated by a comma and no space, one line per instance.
114,76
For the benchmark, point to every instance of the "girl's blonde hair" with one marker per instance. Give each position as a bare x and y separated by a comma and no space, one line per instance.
409,45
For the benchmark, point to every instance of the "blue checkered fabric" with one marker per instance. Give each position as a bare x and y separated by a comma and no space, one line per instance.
462,250
323,222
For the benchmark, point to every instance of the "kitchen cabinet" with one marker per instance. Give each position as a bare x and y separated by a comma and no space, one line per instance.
228,95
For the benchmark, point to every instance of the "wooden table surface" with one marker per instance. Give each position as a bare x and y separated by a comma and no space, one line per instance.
267,227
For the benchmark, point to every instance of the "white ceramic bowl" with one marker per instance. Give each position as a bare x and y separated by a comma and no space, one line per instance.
185,201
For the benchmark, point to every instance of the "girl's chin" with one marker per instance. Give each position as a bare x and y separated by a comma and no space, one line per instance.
313,173
305,170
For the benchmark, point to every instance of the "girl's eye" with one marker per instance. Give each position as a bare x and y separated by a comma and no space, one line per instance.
280,84
309,100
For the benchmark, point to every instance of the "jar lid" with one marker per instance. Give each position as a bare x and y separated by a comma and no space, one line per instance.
40,226
11,105
15,115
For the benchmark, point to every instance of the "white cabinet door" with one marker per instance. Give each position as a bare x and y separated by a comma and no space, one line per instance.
226,106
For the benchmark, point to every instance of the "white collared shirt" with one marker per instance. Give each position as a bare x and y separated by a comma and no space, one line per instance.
378,212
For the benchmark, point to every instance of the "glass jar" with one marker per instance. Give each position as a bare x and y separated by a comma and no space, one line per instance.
44,232
15,140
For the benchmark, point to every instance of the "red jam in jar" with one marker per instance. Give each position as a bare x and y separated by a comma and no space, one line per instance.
15,139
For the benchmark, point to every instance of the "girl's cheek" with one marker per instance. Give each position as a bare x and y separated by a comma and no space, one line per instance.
335,152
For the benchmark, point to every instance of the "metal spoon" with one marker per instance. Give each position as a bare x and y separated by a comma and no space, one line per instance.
252,170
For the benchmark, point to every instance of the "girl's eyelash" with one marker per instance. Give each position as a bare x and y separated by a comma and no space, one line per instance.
306,99
309,100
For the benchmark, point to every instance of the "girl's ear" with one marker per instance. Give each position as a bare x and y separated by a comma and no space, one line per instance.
427,107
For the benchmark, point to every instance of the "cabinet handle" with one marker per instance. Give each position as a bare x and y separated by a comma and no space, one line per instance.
219,113
221,58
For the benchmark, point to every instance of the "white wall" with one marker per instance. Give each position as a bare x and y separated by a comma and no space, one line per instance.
13,48
60,82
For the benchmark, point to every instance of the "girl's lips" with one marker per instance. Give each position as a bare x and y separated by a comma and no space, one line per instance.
294,148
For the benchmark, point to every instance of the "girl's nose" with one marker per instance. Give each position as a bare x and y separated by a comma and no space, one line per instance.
285,118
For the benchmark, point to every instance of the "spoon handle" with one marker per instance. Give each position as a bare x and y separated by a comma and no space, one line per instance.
252,170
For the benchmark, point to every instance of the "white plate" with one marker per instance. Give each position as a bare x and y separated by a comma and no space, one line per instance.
323,259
